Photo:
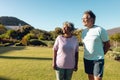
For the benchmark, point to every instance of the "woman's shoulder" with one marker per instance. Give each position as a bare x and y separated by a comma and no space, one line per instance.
74,37
59,36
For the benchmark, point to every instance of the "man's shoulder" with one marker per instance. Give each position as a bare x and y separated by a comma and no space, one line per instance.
85,29
99,27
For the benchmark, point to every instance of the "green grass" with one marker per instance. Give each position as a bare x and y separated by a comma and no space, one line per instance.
35,63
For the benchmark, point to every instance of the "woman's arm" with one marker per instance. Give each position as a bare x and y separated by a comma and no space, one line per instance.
76,61
54,59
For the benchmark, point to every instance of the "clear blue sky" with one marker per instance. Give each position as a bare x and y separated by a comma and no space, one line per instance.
49,14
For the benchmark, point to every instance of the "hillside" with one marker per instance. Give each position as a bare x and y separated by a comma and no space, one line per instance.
113,30
11,21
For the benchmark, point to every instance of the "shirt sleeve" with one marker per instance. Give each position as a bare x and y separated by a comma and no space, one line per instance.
104,35
55,46
77,46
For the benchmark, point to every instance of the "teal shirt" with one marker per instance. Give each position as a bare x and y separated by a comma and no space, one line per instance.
93,39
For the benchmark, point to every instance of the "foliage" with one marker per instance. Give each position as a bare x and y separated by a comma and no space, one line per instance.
12,34
115,37
8,44
58,30
24,41
2,29
19,44
117,49
49,43
4,36
114,53
41,34
27,32
23,30
36,32
36,42
53,35
10,41
78,33
26,38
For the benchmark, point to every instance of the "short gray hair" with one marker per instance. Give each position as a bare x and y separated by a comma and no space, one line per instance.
92,15
69,24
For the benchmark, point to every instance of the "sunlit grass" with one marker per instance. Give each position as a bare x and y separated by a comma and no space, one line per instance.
35,63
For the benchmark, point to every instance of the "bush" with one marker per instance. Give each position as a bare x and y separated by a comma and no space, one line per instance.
1,45
117,57
24,41
8,44
50,44
19,44
36,42
117,49
113,55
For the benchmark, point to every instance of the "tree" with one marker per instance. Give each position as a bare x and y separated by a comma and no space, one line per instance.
12,34
24,30
2,29
26,38
45,36
55,33
77,33
58,30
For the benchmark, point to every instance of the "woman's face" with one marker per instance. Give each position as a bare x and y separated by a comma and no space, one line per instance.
87,20
66,29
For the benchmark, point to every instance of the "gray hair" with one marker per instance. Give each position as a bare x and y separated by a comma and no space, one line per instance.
92,15
69,24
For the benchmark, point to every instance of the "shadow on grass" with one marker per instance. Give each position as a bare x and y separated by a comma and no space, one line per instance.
3,78
29,58
10,48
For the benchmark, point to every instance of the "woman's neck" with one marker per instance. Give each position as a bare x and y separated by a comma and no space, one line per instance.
67,35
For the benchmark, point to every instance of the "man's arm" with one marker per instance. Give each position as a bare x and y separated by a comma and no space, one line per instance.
106,46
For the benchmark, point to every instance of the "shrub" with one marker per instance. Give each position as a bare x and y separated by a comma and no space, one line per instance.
19,44
26,38
1,45
8,44
36,42
117,57
117,49
50,44
113,55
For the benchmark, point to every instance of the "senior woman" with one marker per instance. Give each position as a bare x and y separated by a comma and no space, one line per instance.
65,58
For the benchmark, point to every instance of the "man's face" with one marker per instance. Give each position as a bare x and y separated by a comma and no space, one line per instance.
87,20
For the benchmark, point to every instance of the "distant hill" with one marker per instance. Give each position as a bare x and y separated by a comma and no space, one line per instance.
12,22
113,30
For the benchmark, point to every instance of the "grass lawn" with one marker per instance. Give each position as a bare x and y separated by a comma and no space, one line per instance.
35,63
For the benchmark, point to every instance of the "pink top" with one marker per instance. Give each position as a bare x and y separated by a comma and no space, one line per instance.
66,49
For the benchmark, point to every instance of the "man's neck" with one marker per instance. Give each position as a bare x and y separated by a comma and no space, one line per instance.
91,26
